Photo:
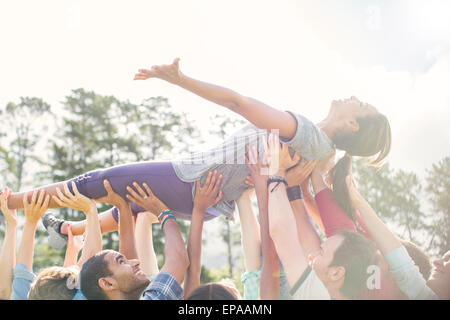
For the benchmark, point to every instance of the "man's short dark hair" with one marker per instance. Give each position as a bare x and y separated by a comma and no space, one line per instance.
355,254
92,270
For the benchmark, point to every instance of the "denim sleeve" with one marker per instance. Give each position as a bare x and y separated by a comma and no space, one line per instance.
408,276
22,279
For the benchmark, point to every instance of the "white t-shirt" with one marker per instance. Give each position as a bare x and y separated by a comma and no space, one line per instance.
309,287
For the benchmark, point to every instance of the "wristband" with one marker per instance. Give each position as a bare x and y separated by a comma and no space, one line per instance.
162,214
294,193
169,216
277,179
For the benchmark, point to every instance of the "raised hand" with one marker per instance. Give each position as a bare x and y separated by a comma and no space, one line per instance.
298,175
168,72
208,195
10,215
258,177
112,197
74,243
75,201
274,149
37,207
146,199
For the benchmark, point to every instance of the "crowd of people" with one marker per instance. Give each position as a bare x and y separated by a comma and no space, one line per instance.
300,191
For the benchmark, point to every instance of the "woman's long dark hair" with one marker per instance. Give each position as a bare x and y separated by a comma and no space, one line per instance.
338,174
373,136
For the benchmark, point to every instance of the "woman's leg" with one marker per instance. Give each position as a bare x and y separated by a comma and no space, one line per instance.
15,201
159,176
106,219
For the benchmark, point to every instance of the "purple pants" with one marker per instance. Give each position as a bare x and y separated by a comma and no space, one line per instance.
159,176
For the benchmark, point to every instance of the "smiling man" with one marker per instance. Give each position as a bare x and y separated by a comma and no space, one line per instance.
109,275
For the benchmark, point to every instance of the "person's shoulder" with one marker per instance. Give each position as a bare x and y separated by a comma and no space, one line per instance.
163,287
309,287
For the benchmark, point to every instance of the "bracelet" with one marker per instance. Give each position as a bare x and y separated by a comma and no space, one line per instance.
162,214
294,193
276,179
169,216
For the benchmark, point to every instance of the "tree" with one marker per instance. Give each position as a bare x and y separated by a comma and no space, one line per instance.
438,188
101,131
25,122
394,196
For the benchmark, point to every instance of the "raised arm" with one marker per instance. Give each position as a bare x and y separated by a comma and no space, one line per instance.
33,212
250,233
205,197
283,228
307,235
8,253
406,273
175,254
77,201
144,243
127,241
270,281
258,113
386,241
74,246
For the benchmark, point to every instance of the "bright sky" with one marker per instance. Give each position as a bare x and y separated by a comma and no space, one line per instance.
294,55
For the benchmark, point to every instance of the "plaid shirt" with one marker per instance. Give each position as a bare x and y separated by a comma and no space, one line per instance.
250,280
163,287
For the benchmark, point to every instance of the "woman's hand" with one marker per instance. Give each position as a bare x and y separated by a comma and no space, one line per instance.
298,175
208,195
112,197
169,72
74,243
146,199
37,207
259,172
278,155
75,201
10,215
148,216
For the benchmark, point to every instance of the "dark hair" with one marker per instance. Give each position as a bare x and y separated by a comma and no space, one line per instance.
53,284
340,190
420,258
211,291
92,270
373,136
355,254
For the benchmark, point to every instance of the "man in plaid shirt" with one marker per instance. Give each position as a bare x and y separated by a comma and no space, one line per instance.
110,275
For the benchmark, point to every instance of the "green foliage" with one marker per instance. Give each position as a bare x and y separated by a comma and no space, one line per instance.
25,123
438,190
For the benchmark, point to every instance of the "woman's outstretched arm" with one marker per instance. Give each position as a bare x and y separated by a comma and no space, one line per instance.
256,112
